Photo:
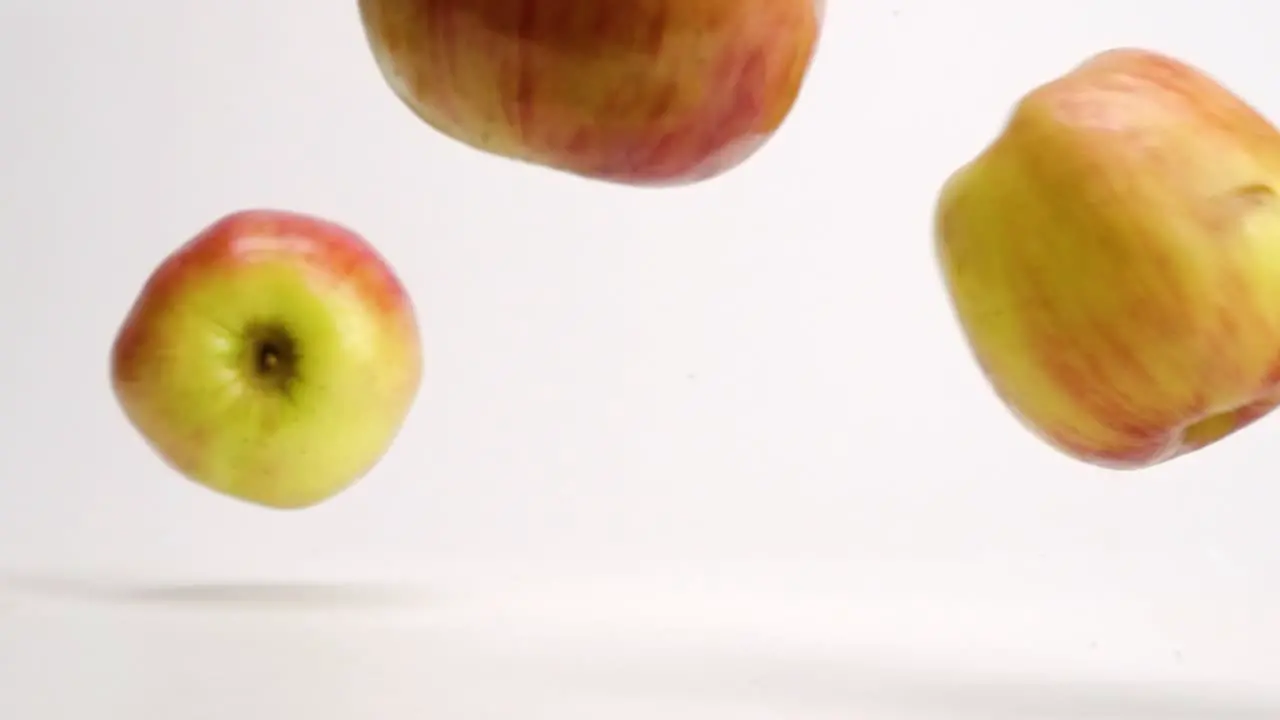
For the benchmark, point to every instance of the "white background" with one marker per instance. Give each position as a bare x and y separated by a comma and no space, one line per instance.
760,369
757,377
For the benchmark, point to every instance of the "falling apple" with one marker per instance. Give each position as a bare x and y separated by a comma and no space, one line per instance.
1113,258
272,358
639,92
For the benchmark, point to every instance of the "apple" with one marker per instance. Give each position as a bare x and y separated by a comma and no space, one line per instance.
1113,258
272,358
637,92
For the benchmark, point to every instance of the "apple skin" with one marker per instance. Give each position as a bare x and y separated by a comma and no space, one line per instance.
272,358
1113,259
636,92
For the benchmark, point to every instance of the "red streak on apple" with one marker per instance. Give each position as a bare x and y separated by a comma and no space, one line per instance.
643,92
250,236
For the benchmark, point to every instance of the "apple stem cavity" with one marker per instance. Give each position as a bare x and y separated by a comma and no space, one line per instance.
273,357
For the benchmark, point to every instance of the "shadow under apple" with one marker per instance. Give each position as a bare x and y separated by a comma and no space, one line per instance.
239,595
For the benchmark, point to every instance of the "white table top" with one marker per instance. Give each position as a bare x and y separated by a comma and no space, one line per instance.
734,648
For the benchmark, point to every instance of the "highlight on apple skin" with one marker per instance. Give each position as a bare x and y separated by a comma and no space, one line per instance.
1113,258
272,358
637,92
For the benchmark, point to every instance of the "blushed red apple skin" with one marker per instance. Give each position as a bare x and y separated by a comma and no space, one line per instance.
1114,260
639,92
338,262
333,250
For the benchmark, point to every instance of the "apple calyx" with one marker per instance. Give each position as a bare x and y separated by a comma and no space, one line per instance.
272,357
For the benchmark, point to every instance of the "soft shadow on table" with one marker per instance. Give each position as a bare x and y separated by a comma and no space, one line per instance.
828,685
291,595
761,677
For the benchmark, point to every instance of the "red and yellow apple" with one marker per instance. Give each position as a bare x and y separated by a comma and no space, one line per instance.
1113,258
639,92
272,358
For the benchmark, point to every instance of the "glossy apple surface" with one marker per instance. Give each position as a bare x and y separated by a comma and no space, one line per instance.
642,92
272,358
1114,260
